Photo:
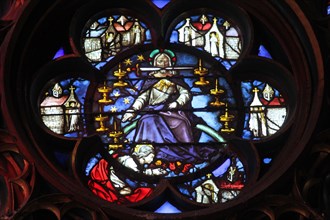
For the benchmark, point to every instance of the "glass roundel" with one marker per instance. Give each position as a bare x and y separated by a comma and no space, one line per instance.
105,36
62,107
266,110
164,107
214,35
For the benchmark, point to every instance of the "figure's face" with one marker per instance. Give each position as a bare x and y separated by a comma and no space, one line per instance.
208,192
162,61
148,159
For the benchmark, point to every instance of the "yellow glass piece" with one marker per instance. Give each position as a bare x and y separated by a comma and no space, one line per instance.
101,120
226,118
120,74
104,90
115,134
217,93
201,71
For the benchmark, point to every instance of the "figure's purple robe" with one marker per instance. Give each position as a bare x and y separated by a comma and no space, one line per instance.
171,134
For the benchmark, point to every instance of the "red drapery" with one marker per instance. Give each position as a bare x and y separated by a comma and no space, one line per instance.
101,185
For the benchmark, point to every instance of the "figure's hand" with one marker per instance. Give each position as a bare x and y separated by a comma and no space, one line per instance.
173,105
125,191
159,171
128,116
154,171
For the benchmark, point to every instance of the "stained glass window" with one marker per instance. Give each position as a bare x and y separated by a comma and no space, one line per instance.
161,109
164,113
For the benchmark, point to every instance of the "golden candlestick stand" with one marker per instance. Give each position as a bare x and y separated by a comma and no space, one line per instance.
120,74
105,90
115,134
201,71
101,120
217,93
226,118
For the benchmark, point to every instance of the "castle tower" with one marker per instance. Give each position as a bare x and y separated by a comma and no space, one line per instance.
137,33
123,26
51,110
187,33
232,45
257,122
57,90
207,192
268,93
214,41
72,112
275,110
